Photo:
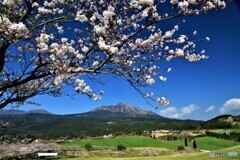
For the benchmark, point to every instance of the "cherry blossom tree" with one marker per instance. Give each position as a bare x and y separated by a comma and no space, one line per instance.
48,45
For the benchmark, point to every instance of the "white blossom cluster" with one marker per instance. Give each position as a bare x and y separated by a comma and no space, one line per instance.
49,7
163,101
15,30
140,3
81,17
42,42
85,89
185,5
11,3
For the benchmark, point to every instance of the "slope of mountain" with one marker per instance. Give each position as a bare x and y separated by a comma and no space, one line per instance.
39,111
120,110
11,111
222,121
21,112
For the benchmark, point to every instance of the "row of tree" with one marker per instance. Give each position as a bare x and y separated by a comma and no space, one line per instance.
193,142
231,135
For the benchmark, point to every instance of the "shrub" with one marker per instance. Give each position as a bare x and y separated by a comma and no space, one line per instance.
169,138
121,147
180,148
174,138
238,139
88,147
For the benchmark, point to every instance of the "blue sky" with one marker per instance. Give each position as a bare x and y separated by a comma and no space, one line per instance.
191,87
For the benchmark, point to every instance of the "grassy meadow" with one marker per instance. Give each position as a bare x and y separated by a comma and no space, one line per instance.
203,143
137,146
176,156
208,143
128,142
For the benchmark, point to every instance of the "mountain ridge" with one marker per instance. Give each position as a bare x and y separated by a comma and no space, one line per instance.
22,112
120,109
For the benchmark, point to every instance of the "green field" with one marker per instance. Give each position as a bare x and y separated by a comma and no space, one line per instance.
181,156
208,143
165,149
211,144
203,143
129,142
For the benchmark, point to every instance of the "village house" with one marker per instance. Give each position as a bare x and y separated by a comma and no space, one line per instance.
108,136
38,140
161,133
111,122
177,131
26,140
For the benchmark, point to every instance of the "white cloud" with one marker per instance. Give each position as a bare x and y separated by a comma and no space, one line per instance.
189,109
168,112
210,108
231,106
173,112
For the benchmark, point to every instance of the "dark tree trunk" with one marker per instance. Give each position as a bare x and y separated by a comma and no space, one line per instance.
3,50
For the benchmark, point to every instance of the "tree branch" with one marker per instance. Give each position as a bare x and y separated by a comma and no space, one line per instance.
16,99
17,82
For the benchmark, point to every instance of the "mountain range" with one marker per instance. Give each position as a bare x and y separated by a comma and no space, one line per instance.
120,118
119,110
